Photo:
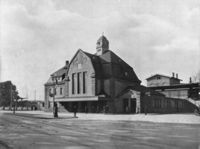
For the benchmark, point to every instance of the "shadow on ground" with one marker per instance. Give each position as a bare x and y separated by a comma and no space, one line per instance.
38,116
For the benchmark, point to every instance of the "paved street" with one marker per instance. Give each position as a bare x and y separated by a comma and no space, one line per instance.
23,131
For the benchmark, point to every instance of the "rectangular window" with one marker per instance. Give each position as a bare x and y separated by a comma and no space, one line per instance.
84,84
61,91
158,77
73,86
78,83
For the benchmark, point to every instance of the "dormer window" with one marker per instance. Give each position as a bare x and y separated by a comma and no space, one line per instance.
126,74
158,77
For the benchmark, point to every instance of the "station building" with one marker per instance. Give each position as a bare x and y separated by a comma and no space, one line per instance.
100,82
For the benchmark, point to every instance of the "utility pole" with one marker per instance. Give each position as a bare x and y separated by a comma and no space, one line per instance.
13,100
55,106
14,106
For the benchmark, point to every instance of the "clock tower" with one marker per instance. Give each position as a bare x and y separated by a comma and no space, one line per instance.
102,45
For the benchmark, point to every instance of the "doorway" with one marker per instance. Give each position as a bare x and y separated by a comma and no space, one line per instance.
129,105
133,105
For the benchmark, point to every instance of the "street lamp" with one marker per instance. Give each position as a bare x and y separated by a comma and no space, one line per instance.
55,107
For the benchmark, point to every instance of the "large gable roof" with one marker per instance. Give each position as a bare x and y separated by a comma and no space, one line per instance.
110,58
60,72
96,62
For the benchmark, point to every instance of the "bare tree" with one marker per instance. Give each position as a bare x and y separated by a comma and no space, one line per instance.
196,77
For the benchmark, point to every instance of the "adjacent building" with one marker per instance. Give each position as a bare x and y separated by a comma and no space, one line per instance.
57,85
172,88
8,93
163,80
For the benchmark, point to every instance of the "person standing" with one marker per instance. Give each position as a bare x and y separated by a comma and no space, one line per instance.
86,109
55,110
75,110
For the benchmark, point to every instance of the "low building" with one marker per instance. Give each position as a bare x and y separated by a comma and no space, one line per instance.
57,85
8,93
163,80
172,88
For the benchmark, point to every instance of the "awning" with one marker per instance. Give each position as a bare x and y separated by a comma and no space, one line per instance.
70,99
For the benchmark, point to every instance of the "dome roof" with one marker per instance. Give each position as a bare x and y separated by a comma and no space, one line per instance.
103,42
102,39
102,45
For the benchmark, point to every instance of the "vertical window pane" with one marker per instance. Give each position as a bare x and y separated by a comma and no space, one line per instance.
73,83
78,83
55,91
84,83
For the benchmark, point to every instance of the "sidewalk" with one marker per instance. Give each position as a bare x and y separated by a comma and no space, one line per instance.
157,118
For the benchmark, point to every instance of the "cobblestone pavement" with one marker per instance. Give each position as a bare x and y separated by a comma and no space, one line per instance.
23,131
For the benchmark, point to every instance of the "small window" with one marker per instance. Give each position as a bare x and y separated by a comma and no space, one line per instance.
50,91
61,91
55,91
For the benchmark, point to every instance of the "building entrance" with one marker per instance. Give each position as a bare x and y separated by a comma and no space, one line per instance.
129,105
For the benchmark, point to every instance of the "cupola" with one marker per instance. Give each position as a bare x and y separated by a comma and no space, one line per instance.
102,45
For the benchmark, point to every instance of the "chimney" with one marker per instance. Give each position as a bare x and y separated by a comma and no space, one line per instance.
66,63
190,80
173,74
177,75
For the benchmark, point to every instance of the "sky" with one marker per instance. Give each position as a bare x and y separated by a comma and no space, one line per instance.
153,36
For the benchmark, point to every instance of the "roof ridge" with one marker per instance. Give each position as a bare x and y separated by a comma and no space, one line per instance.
62,68
157,74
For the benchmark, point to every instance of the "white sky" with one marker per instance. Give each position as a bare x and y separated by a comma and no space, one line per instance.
154,36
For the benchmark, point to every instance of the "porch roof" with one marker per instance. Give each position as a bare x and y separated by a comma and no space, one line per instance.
140,88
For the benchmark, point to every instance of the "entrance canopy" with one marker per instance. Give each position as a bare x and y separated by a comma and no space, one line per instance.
72,99
132,94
